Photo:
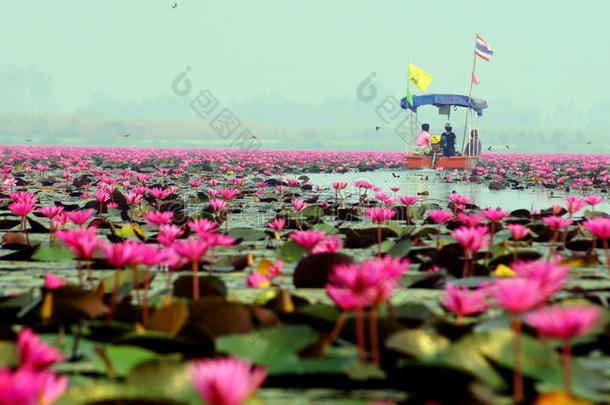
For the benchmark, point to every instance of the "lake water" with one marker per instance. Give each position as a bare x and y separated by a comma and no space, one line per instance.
412,182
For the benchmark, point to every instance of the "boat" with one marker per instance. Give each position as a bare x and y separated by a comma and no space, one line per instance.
445,103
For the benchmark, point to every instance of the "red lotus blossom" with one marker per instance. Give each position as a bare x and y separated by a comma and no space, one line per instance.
277,224
201,226
564,322
407,199
517,295
298,205
158,217
29,387
52,282
471,239
464,302
548,274
470,220
33,353
307,239
330,244
574,204
339,185
440,216
227,381
80,217
217,205
50,211
556,223
600,227
229,193
494,214
380,215
517,231
593,200
191,248
82,242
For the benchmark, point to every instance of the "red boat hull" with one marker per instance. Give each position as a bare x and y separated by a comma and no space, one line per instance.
454,162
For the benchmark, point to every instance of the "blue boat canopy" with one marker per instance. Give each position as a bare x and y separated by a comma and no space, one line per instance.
440,100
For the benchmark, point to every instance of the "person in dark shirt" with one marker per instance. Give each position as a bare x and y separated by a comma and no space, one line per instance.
473,147
448,141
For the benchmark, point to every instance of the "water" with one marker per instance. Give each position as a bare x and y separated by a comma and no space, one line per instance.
412,182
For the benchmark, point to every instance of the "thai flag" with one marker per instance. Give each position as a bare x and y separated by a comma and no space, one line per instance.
482,49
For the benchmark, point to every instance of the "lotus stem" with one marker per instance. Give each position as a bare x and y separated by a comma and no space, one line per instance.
378,240
567,366
336,330
360,339
374,333
195,267
517,375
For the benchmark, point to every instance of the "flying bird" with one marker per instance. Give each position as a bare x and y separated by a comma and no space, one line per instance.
395,175
127,135
28,140
489,147
506,146
589,143
174,5
377,128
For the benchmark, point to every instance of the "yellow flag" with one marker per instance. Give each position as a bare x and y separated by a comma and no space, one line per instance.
420,78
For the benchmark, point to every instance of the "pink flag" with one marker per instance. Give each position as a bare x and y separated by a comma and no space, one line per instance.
475,79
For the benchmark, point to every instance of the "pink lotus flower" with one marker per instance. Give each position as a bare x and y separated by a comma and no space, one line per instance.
470,220
440,216
517,231
277,224
593,200
52,282
34,354
120,254
258,280
50,211
21,208
80,217
168,233
191,249
161,194
217,205
564,322
574,204
298,205
516,295
464,302
600,227
380,215
459,199
407,200
227,381
307,239
82,242
201,226
495,215
158,217
217,239
229,193
101,195
549,275
29,387
471,239
133,198
556,223
339,185
330,244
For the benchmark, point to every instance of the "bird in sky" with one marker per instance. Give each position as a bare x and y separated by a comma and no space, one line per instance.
174,5
377,128
489,147
127,135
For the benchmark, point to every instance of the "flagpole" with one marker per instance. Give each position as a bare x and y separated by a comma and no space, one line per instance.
408,112
474,66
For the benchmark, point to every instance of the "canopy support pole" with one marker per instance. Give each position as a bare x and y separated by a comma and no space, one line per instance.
474,66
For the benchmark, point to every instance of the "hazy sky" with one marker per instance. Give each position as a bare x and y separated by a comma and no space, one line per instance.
553,54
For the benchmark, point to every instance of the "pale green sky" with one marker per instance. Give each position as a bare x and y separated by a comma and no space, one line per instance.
547,53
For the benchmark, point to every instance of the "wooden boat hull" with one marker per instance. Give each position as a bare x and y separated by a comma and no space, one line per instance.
454,162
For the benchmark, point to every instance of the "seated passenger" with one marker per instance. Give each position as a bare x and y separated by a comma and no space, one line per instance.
448,141
422,142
